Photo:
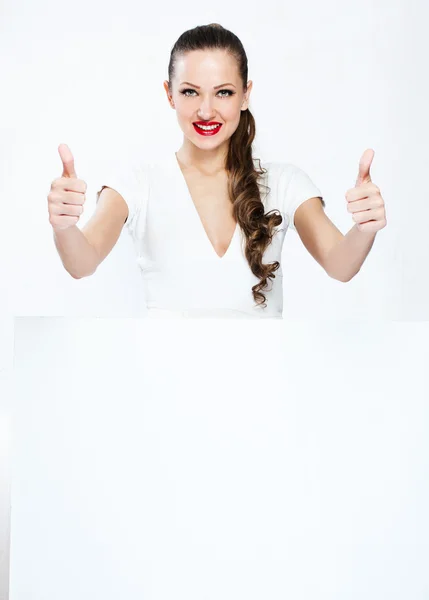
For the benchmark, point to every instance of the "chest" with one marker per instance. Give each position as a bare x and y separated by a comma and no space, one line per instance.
187,222
210,200
184,248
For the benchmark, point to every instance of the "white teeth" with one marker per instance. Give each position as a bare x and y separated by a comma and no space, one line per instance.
207,128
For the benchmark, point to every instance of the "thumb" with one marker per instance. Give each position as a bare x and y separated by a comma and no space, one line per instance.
67,160
364,166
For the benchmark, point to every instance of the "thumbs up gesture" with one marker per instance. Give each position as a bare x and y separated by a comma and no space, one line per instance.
67,194
364,201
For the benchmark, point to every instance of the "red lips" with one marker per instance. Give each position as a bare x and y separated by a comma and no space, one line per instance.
207,133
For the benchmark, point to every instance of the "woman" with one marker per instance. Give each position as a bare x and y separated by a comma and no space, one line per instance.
207,234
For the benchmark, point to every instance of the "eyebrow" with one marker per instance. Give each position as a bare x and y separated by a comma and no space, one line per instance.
214,87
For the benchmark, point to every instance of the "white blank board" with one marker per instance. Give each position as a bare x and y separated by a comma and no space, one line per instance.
218,460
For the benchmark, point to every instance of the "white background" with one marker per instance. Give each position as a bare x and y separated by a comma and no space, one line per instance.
329,81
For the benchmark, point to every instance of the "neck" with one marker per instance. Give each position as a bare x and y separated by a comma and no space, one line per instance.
208,162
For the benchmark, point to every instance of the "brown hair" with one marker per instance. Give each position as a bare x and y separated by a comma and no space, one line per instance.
243,185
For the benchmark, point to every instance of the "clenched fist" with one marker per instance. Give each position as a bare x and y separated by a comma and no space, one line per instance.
365,201
67,194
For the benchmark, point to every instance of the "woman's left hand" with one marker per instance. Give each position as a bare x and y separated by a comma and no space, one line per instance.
364,201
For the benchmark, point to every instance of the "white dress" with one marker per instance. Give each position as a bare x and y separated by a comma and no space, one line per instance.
182,274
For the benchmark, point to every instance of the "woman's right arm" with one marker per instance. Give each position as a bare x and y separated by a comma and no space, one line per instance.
81,251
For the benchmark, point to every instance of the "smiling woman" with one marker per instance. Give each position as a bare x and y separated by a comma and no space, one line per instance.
208,222
204,54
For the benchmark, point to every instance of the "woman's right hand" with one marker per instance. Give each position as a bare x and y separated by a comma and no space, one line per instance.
67,194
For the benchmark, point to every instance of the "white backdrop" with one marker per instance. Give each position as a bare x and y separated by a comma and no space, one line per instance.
329,81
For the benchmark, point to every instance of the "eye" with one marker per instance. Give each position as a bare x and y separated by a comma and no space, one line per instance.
184,92
229,92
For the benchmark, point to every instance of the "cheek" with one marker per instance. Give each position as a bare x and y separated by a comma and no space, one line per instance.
233,112
183,109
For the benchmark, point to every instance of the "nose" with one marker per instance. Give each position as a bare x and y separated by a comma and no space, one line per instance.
205,112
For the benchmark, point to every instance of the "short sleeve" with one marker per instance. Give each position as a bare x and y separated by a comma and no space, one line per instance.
132,182
295,188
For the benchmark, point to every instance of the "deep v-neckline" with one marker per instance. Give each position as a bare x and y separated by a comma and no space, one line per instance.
198,218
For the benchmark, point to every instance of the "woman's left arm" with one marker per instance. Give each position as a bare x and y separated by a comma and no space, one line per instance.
343,255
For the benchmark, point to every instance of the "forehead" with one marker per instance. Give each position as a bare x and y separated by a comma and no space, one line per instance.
199,66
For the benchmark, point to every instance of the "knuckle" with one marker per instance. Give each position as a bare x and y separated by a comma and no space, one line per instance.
52,197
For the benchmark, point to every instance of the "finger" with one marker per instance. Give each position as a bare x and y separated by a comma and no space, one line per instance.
367,215
75,198
73,185
365,162
67,160
356,195
363,191
371,226
359,205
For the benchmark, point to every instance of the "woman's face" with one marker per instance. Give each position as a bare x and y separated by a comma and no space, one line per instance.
208,69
